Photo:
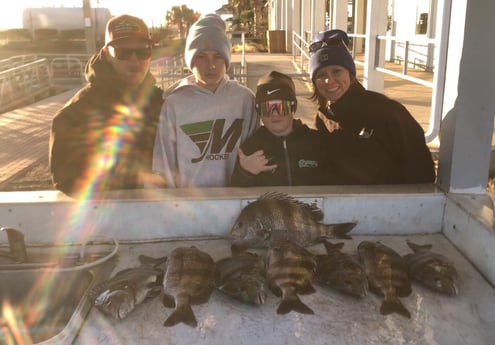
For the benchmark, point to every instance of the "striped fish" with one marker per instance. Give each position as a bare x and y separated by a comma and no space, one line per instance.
387,276
290,270
243,277
188,280
119,295
431,269
341,271
276,216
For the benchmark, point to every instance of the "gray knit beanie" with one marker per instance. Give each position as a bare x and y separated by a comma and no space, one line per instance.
208,33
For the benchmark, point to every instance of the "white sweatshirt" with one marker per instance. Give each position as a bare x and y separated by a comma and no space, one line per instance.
199,132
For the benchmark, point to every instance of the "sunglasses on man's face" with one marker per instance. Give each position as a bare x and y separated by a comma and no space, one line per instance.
315,46
280,107
126,53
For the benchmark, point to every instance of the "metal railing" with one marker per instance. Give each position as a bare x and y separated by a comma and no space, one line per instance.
24,83
25,78
300,51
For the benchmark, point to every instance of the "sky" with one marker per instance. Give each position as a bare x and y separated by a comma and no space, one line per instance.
151,11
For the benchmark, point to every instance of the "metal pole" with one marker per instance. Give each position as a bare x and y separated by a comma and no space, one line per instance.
89,31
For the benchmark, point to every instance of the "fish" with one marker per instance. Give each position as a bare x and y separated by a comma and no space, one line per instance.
387,276
290,270
119,295
341,271
242,276
188,280
277,216
431,269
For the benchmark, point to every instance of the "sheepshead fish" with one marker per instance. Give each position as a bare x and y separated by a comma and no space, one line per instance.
119,295
290,270
387,276
243,277
188,280
431,269
341,271
276,216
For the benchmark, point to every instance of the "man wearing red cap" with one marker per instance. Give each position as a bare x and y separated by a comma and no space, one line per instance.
102,139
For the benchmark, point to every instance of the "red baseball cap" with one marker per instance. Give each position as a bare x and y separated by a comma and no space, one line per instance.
126,26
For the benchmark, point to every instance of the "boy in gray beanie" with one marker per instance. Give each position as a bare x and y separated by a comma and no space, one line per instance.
208,33
206,116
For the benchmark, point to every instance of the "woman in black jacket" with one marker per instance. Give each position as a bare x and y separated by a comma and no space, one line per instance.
284,151
371,139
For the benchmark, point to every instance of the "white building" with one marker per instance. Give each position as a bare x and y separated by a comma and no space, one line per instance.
63,18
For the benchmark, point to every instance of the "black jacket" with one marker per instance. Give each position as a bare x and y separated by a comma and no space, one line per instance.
299,158
103,138
378,141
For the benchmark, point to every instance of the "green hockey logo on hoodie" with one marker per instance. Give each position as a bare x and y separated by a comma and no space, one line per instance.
211,140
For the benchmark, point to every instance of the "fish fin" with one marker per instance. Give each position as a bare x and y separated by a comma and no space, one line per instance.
168,301
276,290
203,297
155,291
332,247
404,291
311,209
238,248
307,289
293,304
418,247
182,314
148,260
392,304
339,230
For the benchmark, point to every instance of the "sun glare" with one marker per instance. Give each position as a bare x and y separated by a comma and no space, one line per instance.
151,11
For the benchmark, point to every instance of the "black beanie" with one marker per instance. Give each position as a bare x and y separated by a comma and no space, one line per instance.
275,85
334,54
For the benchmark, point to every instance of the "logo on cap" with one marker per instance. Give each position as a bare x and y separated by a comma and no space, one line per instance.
126,27
269,92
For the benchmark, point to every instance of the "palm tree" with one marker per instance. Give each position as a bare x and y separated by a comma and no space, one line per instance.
182,17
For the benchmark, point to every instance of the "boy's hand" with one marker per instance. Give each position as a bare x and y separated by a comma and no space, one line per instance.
254,163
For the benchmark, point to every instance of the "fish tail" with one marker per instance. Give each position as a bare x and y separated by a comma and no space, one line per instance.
392,304
183,314
293,304
339,230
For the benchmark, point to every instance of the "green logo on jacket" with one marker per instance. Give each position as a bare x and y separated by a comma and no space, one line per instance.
306,163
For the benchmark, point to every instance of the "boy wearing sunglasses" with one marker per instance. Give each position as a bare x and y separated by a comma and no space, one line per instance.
206,116
102,139
284,151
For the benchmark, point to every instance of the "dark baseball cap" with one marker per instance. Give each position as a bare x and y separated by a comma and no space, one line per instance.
126,26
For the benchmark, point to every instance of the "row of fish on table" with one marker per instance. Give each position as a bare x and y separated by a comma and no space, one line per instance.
269,253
